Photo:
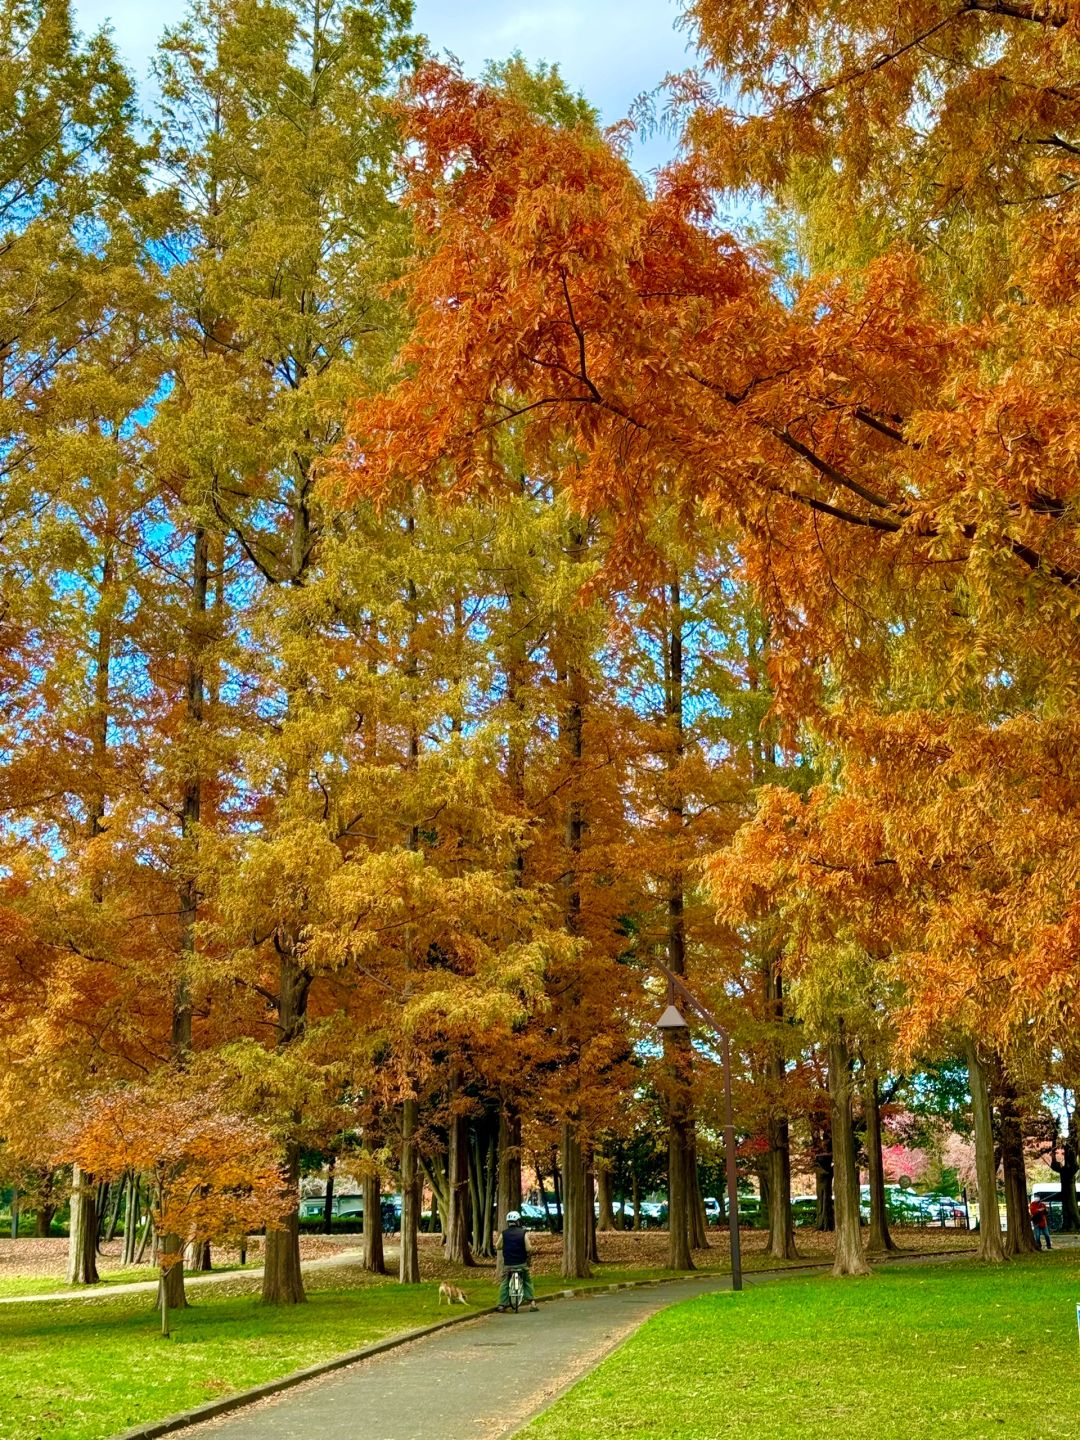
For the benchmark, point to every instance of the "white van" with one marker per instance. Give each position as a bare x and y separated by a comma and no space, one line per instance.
1049,1191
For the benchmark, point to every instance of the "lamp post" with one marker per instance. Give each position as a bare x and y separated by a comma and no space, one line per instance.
672,1019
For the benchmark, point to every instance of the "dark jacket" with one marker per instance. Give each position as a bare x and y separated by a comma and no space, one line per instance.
512,1245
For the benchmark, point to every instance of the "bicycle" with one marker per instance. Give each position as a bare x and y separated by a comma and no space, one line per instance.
515,1290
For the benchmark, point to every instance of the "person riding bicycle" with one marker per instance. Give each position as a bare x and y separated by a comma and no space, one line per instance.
514,1249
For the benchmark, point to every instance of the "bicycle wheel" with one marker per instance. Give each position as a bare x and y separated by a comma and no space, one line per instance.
517,1289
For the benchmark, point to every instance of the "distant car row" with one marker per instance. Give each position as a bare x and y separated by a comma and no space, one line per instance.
346,1210
903,1207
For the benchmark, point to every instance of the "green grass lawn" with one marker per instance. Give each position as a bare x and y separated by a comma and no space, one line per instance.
79,1370
14,1285
912,1353
85,1370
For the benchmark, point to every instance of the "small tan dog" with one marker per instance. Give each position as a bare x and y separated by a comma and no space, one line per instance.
452,1294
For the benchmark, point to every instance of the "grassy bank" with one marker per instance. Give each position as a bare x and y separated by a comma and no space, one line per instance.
913,1353
88,1369
85,1370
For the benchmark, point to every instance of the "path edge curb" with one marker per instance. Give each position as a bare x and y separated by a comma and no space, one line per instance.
212,1409
556,1396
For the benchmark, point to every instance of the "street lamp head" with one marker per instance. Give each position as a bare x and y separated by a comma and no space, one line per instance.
671,1019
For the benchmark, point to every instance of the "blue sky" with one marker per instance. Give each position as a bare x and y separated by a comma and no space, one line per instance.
610,49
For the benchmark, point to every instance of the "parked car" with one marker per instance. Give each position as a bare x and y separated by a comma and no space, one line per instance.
654,1214
944,1210
535,1217
313,1207
750,1210
714,1211
804,1210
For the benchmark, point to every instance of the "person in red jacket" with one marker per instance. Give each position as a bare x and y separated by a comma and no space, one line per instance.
1040,1221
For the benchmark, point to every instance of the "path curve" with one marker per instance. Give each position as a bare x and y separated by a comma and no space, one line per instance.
450,1385
480,1380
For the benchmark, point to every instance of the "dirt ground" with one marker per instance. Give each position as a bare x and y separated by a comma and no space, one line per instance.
646,1249
48,1258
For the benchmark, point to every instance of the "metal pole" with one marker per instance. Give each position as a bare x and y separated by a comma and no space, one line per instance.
732,1170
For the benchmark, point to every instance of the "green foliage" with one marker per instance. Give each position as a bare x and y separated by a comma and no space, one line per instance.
542,90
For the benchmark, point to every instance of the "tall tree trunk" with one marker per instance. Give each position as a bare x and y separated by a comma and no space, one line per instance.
131,1217
1066,1170
605,1221
575,1257
849,1253
412,1190
191,802
409,1258
145,1235
635,1200
677,1050
198,1259
1019,1237
374,1259
171,1294
82,1231
678,1201
825,1218
457,1225
990,1243
590,1215
113,1216
575,1222
476,1192
437,1170
187,893
490,1188
541,1180
509,1196
283,1280
328,1196
699,1227
43,1218
781,1244
879,1238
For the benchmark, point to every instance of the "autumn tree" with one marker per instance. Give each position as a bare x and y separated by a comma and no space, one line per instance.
276,134
211,1174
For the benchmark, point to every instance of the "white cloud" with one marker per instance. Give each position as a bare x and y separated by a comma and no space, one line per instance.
612,50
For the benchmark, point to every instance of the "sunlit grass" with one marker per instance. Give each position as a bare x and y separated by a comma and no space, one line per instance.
912,1353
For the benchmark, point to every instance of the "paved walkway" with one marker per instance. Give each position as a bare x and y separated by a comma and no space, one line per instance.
478,1381
451,1385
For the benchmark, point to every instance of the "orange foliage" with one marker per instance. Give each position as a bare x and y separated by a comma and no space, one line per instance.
212,1174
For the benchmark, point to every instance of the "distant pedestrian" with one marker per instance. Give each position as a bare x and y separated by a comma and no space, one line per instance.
1040,1222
